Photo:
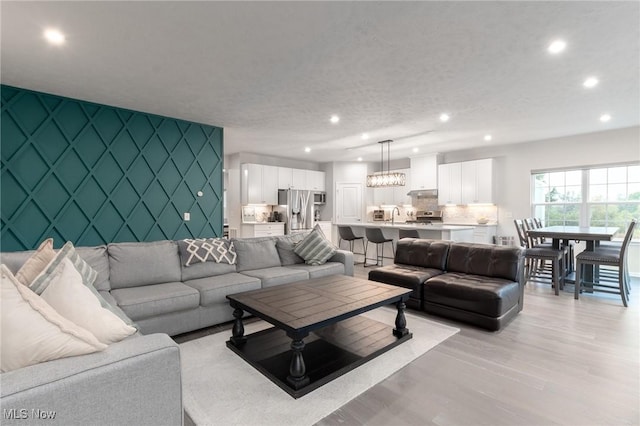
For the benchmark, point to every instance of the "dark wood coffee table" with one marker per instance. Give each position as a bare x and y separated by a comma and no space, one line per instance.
318,334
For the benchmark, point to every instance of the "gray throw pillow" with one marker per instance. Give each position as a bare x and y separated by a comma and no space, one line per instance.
256,253
314,248
285,246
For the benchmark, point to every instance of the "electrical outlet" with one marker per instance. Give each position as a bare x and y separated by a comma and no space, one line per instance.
187,216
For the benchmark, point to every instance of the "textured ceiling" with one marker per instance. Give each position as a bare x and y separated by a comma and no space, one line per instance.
272,73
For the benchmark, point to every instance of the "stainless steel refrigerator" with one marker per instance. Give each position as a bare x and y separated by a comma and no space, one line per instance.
298,205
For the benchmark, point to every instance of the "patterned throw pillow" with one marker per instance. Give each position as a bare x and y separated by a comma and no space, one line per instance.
314,248
199,250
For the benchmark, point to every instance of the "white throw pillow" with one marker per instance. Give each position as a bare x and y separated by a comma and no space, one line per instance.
33,332
73,300
36,263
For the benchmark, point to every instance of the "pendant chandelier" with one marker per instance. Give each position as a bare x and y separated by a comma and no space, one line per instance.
384,178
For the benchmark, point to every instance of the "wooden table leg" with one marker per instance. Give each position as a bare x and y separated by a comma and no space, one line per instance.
237,332
297,377
401,322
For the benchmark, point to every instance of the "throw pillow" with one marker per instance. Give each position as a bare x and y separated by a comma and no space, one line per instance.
33,332
285,246
36,263
256,253
217,250
66,294
314,248
88,274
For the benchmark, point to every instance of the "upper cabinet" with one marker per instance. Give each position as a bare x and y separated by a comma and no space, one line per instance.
449,184
469,182
424,172
394,195
259,184
477,181
315,180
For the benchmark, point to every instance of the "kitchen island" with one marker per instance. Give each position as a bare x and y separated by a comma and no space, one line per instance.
458,233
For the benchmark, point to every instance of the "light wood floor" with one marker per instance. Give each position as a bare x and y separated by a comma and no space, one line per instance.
560,362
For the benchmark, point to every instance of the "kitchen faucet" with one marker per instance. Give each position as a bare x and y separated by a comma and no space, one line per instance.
393,215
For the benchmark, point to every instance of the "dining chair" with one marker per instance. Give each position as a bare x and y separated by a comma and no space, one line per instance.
610,269
535,258
375,236
569,247
345,233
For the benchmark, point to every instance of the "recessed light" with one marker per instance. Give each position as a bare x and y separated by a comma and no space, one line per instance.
54,36
444,117
416,149
365,136
557,46
605,117
359,158
590,82
307,149
488,137
334,119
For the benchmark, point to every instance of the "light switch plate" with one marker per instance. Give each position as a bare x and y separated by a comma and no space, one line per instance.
187,216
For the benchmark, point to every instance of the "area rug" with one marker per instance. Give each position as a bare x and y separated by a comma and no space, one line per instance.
220,388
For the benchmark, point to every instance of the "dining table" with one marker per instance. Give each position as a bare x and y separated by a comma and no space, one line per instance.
591,235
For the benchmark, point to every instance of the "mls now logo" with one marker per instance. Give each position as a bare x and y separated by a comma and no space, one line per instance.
23,414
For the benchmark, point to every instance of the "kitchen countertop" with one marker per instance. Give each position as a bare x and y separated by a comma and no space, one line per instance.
425,226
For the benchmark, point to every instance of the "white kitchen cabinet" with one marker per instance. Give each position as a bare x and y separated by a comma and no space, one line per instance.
484,234
424,172
393,195
285,177
315,180
449,183
262,229
400,197
477,181
299,179
259,184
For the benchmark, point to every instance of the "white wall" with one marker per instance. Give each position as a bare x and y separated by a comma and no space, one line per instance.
514,164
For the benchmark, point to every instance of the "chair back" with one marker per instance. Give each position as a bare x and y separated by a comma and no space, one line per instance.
408,233
538,223
346,233
375,235
522,234
627,240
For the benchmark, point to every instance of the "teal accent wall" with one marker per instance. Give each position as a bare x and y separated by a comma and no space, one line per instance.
94,174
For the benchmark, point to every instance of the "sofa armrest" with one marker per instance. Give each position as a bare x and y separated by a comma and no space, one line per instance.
135,381
345,257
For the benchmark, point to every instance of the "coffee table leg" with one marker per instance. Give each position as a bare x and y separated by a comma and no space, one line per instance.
297,370
401,322
237,332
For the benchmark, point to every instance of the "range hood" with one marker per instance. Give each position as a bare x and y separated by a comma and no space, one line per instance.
423,193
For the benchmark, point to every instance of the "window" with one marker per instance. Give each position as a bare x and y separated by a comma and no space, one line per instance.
602,196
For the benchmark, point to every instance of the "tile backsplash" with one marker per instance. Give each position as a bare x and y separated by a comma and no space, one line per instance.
470,214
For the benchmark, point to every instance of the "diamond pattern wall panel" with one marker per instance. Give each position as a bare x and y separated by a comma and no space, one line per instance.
94,174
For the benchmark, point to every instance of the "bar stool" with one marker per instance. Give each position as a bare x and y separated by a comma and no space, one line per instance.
346,233
375,235
408,233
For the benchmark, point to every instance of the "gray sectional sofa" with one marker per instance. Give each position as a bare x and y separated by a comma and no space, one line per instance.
137,381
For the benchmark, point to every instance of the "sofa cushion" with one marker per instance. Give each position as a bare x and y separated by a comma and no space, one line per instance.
256,253
71,298
474,293
33,332
317,271
139,264
485,259
205,269
277,275
156,299
215,289
421,252
407,276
